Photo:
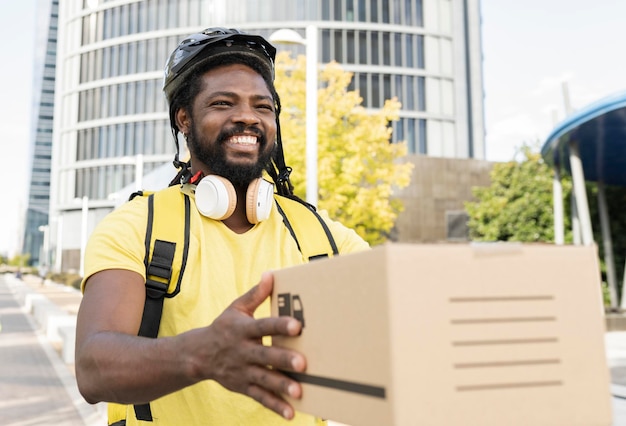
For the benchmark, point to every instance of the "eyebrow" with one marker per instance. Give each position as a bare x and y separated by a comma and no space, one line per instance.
235,95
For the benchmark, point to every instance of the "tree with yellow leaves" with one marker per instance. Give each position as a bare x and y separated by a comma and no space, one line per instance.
358,167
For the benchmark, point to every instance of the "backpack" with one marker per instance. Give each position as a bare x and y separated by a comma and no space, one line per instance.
167,247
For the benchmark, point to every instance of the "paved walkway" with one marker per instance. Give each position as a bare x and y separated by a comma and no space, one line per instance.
36,387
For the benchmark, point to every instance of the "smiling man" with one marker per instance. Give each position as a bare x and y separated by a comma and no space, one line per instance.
174,318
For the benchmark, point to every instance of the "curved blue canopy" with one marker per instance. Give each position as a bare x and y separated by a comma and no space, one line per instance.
600,130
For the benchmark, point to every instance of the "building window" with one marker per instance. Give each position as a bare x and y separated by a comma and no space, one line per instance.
385,11
419,14
375,49
386,49
409,92
421,94
338,44
420,51
408,12
337,15
363,89
397,49
350,10
373,11
410,58
410,134
350,47
376,92
396,6
397,89
413,132
363,47
398,131
423,145
326,46
386,87
361,11
326,9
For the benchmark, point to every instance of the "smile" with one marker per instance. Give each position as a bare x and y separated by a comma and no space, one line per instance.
243,140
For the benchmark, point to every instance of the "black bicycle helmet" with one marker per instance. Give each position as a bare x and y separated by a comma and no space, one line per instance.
212,43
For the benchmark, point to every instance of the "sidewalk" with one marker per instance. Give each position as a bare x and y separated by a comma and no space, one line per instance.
616,359
36,386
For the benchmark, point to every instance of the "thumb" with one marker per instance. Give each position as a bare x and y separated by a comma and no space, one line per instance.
252,299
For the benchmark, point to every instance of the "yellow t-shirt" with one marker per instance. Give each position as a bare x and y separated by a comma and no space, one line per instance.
221,266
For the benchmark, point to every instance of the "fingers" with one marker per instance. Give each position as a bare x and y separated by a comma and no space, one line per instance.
244,364
237,322
277,358
251,300
276,326
272,402
267,386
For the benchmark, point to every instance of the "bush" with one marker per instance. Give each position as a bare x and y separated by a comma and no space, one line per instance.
67,278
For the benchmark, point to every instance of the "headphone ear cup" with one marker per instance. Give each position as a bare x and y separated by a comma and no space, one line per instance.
259,200
215,197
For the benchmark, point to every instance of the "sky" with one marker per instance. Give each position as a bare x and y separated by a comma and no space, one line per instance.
532,49
17,41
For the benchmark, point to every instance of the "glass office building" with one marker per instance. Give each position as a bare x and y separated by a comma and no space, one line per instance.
36,227
111,123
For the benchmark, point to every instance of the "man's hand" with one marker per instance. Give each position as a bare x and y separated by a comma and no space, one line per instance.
232,352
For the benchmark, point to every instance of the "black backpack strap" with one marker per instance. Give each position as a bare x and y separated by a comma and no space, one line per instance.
288,226
159,273
304,227
329,235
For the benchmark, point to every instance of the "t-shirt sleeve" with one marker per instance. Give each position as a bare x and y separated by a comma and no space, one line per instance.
347,240
118,241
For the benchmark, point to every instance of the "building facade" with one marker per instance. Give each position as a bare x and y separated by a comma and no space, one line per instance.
111,125
36,224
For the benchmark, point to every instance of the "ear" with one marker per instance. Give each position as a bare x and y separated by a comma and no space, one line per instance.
183,120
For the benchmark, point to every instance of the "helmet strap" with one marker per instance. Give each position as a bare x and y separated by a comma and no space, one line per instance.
184,173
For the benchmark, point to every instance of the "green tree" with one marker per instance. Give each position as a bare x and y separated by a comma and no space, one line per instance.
518,206
358,167
20,260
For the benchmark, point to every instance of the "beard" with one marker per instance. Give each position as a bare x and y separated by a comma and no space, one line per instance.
213,155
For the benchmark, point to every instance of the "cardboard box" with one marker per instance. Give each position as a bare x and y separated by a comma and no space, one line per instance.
492,334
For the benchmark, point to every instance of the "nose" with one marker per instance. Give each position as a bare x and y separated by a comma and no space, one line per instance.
246,114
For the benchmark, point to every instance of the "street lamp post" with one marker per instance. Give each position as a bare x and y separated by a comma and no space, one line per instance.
84,226
58,259
83,232
45,248
139,172
287,36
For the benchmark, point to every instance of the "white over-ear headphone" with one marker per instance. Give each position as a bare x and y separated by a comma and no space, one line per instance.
216,198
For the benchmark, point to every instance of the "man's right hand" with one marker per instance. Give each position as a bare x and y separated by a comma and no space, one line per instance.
231,352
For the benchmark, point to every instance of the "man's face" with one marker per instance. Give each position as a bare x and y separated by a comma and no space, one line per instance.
233,125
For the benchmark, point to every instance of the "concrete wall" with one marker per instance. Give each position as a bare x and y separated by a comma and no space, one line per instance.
439,187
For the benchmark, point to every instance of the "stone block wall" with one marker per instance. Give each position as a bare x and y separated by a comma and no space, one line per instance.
436,195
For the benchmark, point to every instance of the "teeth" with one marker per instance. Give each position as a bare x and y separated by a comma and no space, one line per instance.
244,140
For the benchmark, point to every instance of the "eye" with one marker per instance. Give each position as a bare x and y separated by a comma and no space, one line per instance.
221,102
266,106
